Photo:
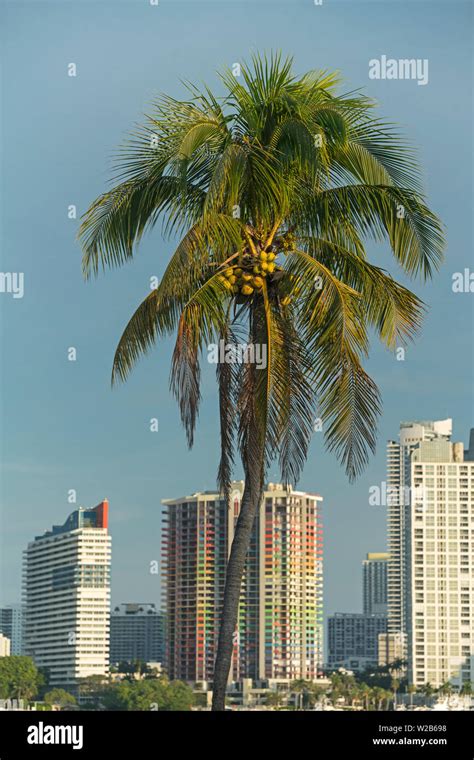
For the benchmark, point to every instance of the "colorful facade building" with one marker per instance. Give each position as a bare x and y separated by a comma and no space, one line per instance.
279,632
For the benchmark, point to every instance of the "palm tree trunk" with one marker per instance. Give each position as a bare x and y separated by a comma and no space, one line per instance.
235,569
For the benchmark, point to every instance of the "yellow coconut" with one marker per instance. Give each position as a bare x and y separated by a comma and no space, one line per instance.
247,290
270,268
258,282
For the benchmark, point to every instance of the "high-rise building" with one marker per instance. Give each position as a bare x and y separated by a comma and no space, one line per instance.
469,452
67,597
398,501
136,633
353,640
353,637
374,578
392,648
279,632
441,565
11,625
5,646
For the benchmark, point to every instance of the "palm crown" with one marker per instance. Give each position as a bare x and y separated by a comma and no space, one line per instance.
273,189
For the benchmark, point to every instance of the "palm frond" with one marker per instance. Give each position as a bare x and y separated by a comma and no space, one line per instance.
159,313
202,320
335,334
391,308
293,401
378,212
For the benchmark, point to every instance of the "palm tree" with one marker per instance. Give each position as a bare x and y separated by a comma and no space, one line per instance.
336,687
273,190
364,692
394,685
299,687
387,697
397,666
427,690
446,689
379,695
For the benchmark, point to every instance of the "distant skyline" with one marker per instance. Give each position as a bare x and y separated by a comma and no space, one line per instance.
61,426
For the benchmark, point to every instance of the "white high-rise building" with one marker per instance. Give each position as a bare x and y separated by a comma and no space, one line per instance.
398,500
5,650
67,597
441,565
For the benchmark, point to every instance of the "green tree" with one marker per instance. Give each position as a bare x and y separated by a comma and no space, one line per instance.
376,676
19,678
59,697
365,693
427,690
179,696
43,681
157,694
344,685
126,667
379,696
316,693
274,190
308,691
91,689
273,699
466,689
446,689
397,667
137,667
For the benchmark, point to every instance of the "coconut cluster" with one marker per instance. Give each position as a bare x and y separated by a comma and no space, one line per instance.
248,277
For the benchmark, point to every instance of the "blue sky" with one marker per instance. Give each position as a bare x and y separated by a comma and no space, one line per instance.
62,427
